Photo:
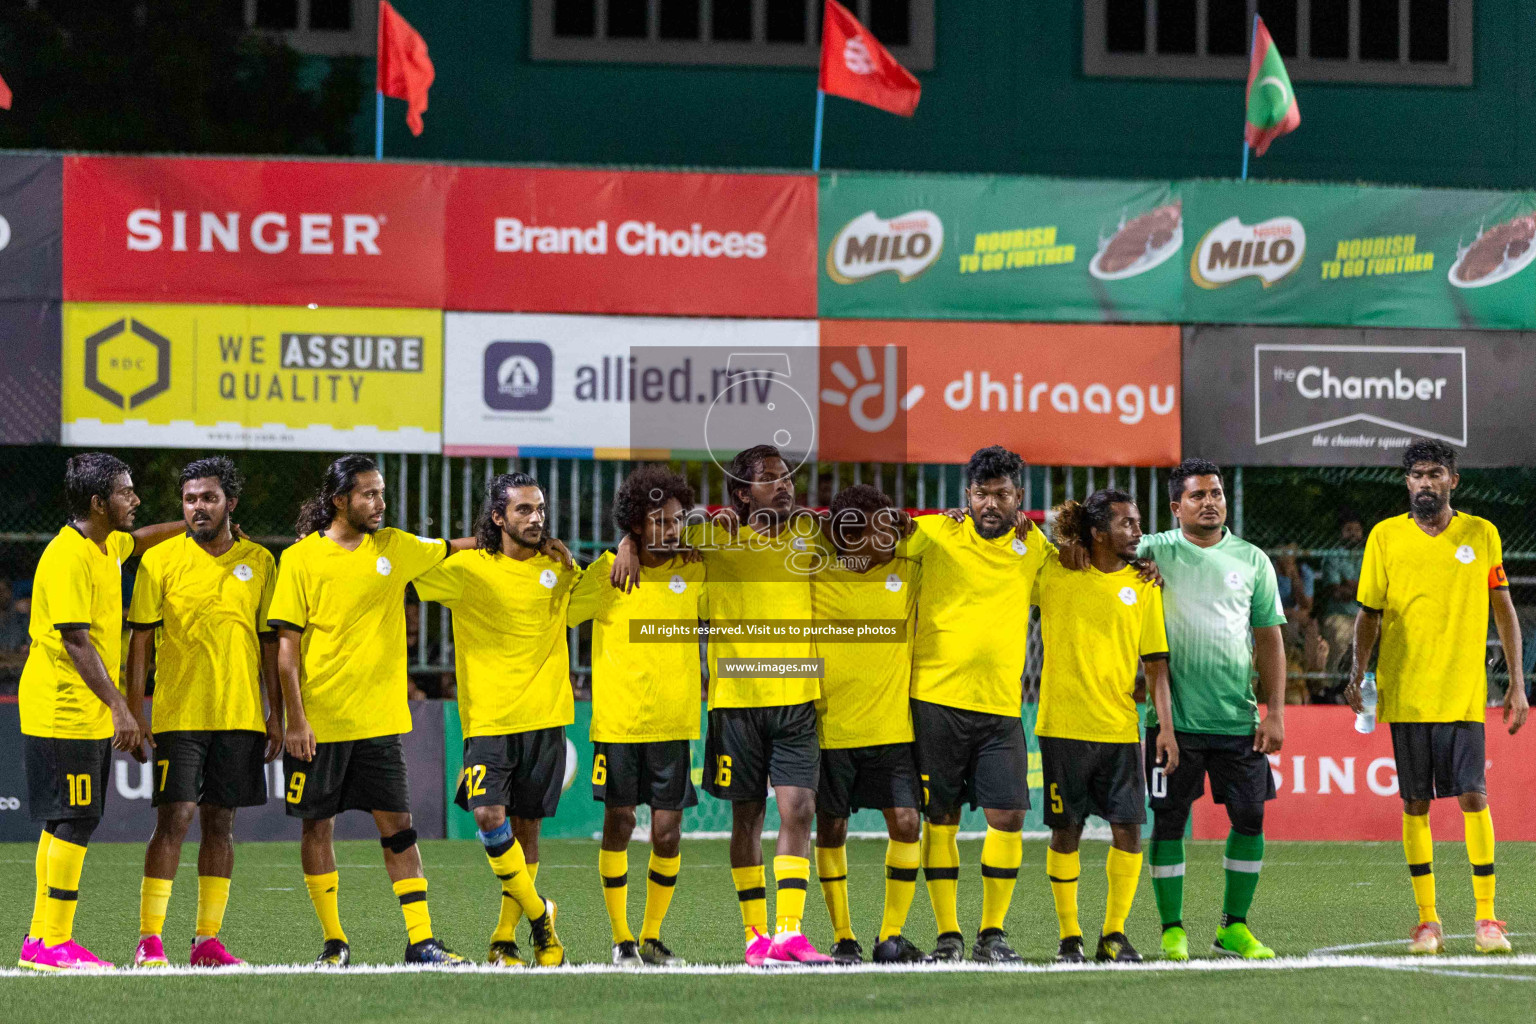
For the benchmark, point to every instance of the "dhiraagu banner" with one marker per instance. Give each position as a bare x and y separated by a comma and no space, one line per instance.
291,377
581,817
1258,253
974,247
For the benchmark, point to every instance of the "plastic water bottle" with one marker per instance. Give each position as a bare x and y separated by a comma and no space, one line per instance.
1365,721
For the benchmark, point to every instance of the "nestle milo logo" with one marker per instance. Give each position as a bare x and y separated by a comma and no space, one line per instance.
1232,250
868,245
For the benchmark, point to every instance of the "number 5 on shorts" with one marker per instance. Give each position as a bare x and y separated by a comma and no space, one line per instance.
723,771
1056,805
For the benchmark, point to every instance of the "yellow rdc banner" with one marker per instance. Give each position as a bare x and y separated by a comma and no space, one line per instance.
252,377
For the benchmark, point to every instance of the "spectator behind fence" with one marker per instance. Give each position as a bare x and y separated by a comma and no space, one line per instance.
1306,651
1335,606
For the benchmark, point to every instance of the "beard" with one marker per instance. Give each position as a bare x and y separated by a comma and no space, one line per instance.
520,538
209,530
361,524
1428,503
992,531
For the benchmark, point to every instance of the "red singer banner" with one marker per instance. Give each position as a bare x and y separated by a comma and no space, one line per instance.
1058,394
268,232
680,244
1333,783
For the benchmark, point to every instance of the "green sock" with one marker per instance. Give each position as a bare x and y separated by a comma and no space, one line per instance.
1168,879
1245,856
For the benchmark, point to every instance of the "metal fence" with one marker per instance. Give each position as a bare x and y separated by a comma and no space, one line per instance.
1276,508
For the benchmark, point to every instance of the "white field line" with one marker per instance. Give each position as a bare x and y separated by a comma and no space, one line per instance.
726,970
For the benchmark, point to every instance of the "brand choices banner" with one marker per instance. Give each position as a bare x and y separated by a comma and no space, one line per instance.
554,241
1315,397
1333,783
252,377
996,248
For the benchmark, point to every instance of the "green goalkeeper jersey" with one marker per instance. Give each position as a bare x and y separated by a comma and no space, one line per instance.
1213,599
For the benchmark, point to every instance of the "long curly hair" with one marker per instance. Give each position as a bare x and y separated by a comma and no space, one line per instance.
487,533
1076,520
319,512
648,488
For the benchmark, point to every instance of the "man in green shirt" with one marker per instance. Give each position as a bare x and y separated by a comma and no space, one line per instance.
1218,591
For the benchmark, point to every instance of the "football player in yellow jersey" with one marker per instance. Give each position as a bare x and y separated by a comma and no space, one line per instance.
1094,625
762,728
72,715
205,594
967,691
1427,584
645,702
512,657
864,715
339,606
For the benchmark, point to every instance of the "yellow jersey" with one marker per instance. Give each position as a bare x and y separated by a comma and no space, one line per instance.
1094,626
76,586
755,576
209,612
350,607
1432,593
865,693
972,613
642,692
509,640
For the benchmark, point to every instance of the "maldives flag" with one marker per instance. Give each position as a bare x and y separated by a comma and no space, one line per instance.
1272,109
856,67
405,70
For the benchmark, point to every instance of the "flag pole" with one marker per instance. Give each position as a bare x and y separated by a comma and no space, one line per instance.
378,127
1253,31
821,106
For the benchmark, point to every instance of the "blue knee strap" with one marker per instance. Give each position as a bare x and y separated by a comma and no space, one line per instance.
497,836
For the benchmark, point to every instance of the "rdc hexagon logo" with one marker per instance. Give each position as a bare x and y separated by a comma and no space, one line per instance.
133,363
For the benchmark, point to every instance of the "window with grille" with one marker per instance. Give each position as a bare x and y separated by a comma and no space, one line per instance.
750,32
335,27
1396,42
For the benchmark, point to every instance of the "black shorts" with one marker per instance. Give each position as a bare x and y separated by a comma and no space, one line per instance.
970,757
66,778
1082,778
1439,759
880,776
658,774
521,771
749,748
350,775
1240,775
223,767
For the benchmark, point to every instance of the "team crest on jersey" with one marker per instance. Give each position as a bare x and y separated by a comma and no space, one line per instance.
1234,580
1128,595
243,573
893,583
677,584
1465,555
547,579
383,566
798,543
1019,547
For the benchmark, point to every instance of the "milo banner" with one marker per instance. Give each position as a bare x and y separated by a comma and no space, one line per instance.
1303,396
1335,254
936,247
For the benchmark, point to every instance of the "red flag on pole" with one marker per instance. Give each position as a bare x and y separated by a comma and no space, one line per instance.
5,95
856,67
405,70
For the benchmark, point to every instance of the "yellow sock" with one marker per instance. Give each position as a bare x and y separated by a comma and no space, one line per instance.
1419,848
832,872
212,898
941,869
65,862
519,894
752,892
1124,871
1063,869
322,893
1480,853
413,905
40,894
660,884
613,868
901,863
790,875
154,897
1001,855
